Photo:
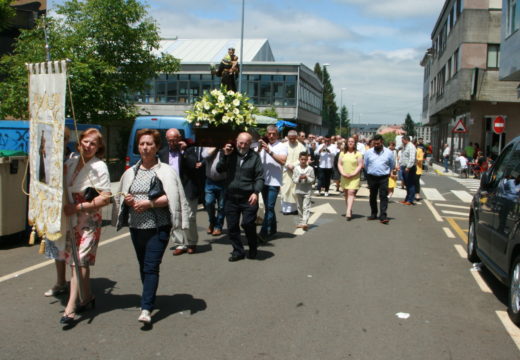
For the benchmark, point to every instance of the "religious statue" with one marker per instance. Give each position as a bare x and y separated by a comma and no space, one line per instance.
228,69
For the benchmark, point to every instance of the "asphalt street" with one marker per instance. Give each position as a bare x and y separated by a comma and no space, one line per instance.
342,290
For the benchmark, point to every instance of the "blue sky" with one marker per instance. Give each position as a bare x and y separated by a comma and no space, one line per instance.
373,47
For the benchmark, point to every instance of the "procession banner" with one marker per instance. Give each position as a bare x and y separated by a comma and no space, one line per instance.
47,87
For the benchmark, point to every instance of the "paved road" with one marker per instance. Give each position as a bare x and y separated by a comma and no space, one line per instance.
356,290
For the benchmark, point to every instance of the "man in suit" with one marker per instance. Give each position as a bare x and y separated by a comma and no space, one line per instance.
187,162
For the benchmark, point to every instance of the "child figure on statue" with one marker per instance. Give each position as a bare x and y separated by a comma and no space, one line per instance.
303,177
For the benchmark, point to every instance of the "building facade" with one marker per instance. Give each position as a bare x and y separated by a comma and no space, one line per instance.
510,42
461,78
291,88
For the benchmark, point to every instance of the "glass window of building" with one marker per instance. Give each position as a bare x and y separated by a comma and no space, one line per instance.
493,56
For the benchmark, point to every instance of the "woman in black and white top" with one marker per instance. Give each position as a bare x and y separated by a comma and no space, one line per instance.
151,217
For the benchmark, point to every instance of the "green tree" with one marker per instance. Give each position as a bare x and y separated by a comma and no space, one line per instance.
409,126
111,46
345,123
271,112
6,13
329,112
389,137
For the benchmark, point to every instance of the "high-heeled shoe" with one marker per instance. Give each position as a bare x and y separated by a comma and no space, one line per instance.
66,319
85,305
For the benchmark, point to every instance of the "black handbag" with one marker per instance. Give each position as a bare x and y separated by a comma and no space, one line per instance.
90,194
156,188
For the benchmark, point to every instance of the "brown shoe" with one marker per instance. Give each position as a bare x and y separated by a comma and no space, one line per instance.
299,226
179,251
216,232
407,203
210,230
192,249
305,227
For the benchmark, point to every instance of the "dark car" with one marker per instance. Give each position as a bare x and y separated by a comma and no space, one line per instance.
494,235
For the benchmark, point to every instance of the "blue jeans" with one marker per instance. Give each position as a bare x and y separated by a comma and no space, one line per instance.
215,192
149,245
269,194
409,181
446,162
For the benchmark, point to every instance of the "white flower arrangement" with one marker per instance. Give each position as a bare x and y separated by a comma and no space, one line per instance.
219,107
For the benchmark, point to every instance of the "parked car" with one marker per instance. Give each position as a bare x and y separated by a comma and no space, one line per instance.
494,221
161,123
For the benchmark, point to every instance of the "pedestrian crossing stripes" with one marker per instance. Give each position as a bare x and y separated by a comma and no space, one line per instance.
462,195
470,184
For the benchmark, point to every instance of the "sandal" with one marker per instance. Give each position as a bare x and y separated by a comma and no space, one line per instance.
56,290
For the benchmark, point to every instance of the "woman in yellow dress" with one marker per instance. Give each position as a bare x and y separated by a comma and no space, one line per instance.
350,164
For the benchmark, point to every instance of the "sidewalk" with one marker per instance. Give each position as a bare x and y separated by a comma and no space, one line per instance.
439,169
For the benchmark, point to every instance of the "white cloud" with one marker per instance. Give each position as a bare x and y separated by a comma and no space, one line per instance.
398,8
384,85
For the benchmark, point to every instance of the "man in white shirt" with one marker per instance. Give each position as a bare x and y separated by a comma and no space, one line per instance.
326,153
408,169
446,157
273,155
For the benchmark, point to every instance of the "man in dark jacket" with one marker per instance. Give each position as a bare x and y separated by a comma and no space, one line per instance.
245,180
187,162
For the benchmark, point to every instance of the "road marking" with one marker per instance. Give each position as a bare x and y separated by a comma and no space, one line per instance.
453,206
449,212
434,212
511,328
317,211
460,249
448,232
432,194
480,282
463,195
457,229
48,262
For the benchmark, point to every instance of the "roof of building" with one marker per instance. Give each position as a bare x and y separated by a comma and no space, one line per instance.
213,50
365,127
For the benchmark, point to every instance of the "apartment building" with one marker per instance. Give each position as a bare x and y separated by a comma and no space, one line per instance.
510,42
461,78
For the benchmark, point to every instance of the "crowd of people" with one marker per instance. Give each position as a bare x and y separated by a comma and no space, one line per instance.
158,197
469,161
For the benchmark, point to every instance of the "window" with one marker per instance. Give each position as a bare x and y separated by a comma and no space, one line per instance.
493,56
449,66
460,7
513,16
456,61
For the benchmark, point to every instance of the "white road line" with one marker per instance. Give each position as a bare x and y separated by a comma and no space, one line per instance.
511,328
448,232
462,252
432,194
434,212
454,213
453,206
480,282
421,181
463,195
48,262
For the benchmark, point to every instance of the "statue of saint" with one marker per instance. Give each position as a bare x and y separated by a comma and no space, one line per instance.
228,69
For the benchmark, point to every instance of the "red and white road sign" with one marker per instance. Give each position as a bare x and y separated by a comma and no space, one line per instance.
459,127
499,125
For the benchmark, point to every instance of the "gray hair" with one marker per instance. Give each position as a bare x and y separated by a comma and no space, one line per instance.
271,128
292,133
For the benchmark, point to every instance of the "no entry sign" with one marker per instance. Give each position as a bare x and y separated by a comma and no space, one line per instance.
499,124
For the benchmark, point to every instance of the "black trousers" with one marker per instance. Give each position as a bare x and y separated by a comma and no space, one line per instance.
378,185
236,206
324,176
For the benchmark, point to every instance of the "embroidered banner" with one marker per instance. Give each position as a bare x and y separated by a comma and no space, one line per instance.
47,88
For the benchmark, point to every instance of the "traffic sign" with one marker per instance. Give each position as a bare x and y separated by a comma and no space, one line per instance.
499,124
459,127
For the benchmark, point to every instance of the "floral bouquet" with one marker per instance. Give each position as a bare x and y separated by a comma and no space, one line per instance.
221,108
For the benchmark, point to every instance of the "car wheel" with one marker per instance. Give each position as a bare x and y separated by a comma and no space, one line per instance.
514,292
472,242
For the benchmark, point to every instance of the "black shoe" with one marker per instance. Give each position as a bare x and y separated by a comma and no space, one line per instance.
349,218
384,221
235,257
83,307
252,254
67,320
372,217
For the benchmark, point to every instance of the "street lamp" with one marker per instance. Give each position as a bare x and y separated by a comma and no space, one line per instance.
341,110
241,51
